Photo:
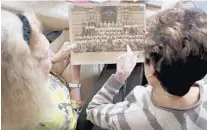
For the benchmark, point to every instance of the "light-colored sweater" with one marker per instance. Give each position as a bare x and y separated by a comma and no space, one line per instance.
140,112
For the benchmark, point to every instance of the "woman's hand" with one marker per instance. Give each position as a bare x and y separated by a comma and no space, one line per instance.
125,64
63,53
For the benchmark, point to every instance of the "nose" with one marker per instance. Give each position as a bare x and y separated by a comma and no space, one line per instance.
50,54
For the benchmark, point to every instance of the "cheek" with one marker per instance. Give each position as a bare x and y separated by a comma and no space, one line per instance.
46,66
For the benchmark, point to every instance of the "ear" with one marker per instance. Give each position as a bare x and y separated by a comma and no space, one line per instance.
152,70
149,70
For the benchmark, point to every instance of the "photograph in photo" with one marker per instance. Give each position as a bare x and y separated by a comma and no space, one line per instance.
107,27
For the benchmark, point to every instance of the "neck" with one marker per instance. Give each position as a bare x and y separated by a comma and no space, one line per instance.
165,99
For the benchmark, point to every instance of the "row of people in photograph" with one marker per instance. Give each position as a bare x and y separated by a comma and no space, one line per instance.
108,45
100,37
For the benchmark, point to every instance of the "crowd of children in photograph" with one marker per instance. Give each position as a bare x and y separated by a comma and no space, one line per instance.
109,37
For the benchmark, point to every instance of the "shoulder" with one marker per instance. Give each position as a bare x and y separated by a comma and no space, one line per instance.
136,107
139,92
138,97
203,85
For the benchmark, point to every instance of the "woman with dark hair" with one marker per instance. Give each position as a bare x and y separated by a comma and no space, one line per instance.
175,59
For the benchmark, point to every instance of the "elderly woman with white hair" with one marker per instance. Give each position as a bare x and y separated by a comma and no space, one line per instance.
32,98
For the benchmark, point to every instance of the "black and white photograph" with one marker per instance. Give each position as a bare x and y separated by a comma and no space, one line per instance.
107,27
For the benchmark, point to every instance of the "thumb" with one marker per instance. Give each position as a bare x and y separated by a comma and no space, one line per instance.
70,47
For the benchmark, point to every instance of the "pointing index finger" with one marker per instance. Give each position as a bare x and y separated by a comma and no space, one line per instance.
128,48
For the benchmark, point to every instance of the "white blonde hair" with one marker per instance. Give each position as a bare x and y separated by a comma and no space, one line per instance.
24,86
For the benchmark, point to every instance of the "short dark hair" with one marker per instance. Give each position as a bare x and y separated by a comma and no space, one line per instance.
176,46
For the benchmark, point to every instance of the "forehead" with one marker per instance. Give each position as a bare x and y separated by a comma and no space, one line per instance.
39,44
